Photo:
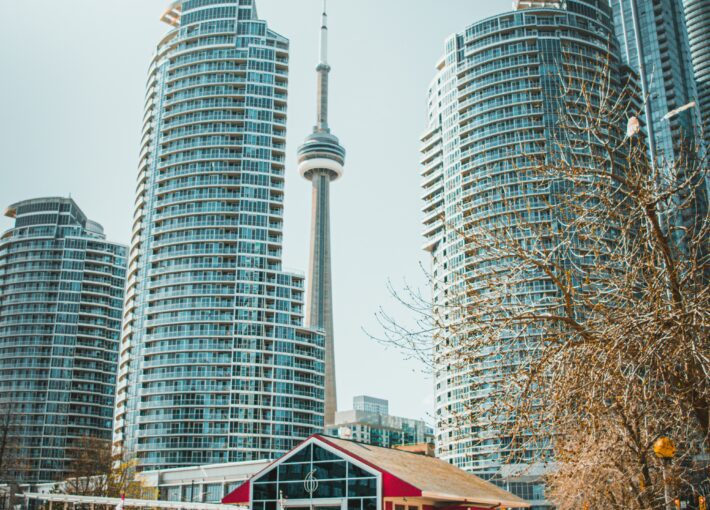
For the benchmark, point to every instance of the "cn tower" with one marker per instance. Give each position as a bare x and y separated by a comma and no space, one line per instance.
321,159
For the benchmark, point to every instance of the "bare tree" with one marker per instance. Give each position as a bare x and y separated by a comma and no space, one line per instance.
93,471
12,465
90,468
612,350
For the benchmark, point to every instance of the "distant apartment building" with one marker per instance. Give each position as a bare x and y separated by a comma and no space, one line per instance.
371,404
493,110
369,422
61,293
216,364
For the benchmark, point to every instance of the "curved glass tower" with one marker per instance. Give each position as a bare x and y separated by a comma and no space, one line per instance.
215,365
493,109
61,293
321,160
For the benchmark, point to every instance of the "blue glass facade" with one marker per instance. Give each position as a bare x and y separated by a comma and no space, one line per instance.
494,110
697,18
216,365
654,42
61,293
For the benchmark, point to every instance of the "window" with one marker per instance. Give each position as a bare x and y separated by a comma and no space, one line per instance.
173,494
213,493
335,477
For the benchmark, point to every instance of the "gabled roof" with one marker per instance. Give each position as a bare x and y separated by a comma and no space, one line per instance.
409,475
435,478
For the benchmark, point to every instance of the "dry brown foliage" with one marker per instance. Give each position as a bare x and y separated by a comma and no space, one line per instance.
95,472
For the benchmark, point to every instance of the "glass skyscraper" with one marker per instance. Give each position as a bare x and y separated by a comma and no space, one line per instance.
493,109
697,18
61,293
216,365
654,42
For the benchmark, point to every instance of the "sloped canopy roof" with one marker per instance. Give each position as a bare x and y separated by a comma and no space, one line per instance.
435,478
410,475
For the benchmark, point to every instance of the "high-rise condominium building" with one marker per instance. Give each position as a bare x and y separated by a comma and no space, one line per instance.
697,18
215,365
321,160
654,42
61,293
493,108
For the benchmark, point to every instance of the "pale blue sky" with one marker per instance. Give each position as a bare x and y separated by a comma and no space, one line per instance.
72,75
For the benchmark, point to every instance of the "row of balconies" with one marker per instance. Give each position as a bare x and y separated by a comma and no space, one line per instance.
233,168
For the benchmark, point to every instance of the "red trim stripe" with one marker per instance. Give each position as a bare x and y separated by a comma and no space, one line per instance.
239,496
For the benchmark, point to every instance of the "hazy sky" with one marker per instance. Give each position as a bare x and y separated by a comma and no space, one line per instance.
72,76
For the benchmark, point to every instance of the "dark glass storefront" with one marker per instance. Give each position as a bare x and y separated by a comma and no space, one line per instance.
315,478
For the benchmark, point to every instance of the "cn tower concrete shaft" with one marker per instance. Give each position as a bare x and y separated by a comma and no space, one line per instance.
319,312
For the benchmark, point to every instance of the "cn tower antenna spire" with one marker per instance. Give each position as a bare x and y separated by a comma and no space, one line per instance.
323,70
324,35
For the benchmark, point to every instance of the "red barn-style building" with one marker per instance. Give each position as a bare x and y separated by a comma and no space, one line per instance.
325,473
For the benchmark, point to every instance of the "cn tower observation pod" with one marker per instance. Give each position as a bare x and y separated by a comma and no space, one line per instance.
321,151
